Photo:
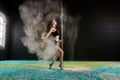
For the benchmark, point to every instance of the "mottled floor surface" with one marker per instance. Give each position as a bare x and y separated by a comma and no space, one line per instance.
73,70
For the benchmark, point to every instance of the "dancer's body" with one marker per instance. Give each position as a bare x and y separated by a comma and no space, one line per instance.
51,29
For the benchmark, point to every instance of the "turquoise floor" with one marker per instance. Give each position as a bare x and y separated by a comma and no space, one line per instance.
74,70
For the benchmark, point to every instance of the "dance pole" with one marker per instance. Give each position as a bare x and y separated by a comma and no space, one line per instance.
61,18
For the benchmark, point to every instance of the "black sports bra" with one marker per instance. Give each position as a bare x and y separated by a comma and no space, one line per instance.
56,33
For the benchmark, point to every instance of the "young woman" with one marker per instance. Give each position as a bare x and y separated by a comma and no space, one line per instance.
51,30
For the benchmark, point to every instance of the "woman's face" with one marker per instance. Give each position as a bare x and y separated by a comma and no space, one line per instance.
54,23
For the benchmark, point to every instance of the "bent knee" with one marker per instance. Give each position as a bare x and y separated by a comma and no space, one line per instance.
61,52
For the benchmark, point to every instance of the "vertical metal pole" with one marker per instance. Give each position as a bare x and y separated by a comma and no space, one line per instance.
61,24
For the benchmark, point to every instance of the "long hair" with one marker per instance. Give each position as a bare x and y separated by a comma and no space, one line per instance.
49,25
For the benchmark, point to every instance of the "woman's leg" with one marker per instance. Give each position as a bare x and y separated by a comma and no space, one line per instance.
54,59
61,54
50,65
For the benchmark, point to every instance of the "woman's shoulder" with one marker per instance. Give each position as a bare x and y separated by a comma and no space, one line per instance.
53,29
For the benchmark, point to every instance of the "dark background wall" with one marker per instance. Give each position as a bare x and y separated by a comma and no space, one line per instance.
14,48
98,37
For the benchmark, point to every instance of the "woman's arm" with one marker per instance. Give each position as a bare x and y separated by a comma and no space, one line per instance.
48,34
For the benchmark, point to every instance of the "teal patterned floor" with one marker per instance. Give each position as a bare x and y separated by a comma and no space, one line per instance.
73,70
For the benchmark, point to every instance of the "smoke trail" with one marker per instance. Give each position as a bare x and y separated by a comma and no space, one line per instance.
35,14
70,33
